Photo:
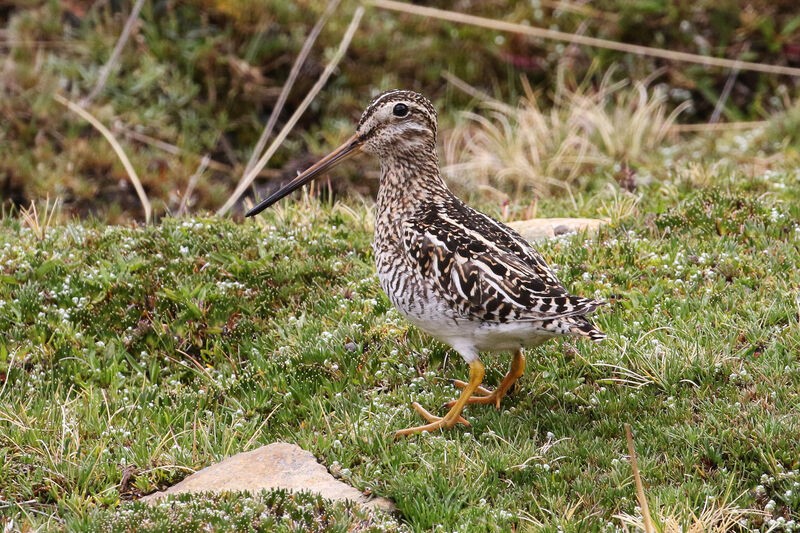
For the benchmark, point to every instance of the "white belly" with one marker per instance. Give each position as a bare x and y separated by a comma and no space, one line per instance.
484,337
471,336
434,316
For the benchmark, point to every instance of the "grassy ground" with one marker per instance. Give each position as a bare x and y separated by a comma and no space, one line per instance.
149,352
131,355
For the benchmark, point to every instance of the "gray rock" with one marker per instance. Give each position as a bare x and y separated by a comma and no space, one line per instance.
279,465
351,346
538,229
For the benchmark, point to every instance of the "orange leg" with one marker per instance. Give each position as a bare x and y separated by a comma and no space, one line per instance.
488,397
453,416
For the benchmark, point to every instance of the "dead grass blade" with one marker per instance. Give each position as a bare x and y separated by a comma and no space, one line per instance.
542,33
137,184
37,224
287,86
248,178
172,149
581,9
637,478
193,179
112,59
465,87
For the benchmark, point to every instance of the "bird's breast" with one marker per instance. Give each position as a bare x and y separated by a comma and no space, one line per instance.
403,283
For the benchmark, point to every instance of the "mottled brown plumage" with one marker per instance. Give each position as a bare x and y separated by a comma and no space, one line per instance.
459,275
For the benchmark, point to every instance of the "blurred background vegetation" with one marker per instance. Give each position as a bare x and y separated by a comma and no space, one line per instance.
200,77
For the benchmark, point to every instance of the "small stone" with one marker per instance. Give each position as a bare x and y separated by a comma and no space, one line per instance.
279,465
561,229
351,347
538,229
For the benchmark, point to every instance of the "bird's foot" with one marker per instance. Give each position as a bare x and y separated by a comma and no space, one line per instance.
434,422
484,396
481,390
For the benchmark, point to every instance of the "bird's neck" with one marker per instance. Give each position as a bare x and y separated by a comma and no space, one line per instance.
407,181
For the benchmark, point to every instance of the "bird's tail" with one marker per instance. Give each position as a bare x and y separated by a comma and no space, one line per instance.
581,326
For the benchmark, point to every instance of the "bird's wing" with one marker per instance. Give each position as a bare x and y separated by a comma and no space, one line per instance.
484,269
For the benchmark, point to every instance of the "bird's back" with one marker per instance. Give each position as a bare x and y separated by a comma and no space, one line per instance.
486,271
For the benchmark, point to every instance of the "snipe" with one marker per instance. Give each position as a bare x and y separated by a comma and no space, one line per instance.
454,272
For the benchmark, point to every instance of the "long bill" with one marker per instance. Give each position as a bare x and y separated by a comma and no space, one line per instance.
351,147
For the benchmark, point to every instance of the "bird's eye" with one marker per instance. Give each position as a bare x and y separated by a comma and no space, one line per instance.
400,110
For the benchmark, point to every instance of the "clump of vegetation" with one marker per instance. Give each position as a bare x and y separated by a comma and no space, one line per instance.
278,511
588,131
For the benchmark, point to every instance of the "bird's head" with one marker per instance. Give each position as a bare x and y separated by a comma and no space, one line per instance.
396,122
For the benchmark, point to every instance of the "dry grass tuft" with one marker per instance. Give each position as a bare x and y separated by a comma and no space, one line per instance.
716,516
608,128
39,224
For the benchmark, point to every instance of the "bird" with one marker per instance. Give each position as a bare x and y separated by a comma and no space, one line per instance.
457,274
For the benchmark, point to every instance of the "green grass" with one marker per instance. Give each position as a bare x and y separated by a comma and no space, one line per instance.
164,349
131,356
278,511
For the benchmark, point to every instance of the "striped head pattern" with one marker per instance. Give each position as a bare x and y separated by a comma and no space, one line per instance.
398,121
